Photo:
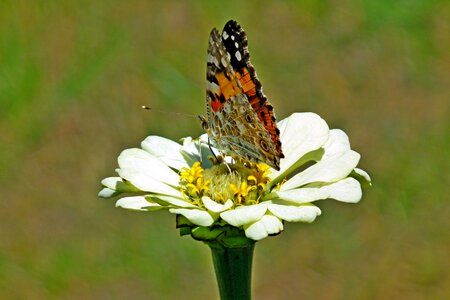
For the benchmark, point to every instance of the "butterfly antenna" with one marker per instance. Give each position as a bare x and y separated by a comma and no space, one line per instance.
168,112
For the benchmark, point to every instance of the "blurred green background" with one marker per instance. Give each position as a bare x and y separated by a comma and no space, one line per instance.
73,75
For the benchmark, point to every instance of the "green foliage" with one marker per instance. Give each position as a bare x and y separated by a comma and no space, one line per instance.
73,75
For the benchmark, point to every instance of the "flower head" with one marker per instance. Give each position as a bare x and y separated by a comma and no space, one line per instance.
220,197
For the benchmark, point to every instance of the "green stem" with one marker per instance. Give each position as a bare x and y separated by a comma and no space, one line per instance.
233,266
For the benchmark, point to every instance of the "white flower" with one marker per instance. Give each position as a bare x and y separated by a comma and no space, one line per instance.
318,164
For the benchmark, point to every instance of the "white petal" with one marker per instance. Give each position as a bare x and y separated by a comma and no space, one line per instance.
290,213
300,133
215,207
326,170
118,184
336,144
191,149
197,150
364,175
136,203
107,193
145,183
164,200
345,190
143,162
204,138
262,228
282,124
166,150
147,173
111,182
196,216
244,214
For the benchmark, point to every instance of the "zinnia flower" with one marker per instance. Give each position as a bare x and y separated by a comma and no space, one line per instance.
219,197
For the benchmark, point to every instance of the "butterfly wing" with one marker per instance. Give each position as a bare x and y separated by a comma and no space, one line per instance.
240,119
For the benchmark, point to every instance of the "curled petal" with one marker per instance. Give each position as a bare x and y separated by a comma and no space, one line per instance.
196,216
215,207
111,182
108,193
336,144
327,170
165,150
362,176
244,214
194,150
136,203
290,213
300,133
147,173
145,183
169,201
345,190
118,184
265,226
147,164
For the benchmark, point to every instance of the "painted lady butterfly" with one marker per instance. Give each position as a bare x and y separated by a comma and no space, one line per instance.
241,121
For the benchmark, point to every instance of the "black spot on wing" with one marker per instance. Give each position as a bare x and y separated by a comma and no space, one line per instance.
212,78
235,42
211,95
233,29
262,114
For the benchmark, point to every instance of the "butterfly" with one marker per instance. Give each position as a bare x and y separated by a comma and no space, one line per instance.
240,120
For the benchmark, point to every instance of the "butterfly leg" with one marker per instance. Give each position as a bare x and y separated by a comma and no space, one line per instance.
209,145
226,164
228,167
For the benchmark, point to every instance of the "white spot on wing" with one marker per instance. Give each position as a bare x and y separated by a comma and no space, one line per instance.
232,37
238,55
236,45
212,87
224,62
224,35
212,59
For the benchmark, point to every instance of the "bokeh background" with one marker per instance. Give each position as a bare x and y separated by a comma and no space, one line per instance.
73,75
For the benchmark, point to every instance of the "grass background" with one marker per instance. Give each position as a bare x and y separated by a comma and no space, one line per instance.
73,75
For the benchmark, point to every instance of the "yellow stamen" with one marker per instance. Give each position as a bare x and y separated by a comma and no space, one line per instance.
242,182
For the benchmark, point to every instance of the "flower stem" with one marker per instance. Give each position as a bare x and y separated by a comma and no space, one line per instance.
233,266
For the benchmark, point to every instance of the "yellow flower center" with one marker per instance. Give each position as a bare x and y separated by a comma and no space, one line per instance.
242,182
